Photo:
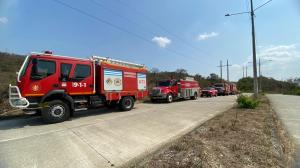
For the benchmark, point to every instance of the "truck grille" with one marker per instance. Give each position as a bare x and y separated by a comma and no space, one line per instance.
155,92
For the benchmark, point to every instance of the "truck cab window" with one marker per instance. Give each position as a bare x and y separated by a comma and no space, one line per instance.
65,70
42,69
82,71
164,83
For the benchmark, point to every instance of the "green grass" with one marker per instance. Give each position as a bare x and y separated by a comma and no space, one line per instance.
247,102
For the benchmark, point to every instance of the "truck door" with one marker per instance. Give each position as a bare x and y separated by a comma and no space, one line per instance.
174,88
81,81
43,77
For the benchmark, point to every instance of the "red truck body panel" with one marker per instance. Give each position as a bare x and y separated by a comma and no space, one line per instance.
37,88
129,81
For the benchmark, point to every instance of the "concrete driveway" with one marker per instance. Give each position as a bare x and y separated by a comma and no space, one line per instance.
288,110
102,138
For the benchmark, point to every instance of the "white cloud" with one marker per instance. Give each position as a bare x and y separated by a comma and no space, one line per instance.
284,65
3,20
280,53
206,35
161,41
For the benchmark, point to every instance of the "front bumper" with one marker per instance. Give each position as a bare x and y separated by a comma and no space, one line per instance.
16,99
205,93
159,96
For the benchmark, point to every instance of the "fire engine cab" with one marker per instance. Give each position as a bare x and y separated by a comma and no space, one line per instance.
57,85
170,90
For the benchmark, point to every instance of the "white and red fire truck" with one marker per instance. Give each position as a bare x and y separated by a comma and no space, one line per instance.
170,90
59,85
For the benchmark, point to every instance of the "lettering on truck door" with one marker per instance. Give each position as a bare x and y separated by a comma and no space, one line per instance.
82,80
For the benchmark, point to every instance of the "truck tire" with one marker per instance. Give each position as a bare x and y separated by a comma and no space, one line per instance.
195,97
126,103
169,98
58,111
153,100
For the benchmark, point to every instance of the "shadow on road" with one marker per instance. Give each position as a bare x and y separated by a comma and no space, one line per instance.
33,120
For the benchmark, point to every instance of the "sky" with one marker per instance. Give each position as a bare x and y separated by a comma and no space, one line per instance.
164,34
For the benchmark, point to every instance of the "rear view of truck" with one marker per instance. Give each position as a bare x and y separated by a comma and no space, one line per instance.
223,88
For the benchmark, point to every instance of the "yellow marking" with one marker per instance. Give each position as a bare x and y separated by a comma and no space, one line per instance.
81,93
34,95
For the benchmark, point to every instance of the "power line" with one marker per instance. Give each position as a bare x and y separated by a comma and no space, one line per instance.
152,33
112,25
163,28
97,3
262,5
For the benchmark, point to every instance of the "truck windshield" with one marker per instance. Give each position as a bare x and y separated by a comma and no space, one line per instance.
42,68
219,85
164,83
23,68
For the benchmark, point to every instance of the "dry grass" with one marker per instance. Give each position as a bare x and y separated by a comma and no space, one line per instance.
236,138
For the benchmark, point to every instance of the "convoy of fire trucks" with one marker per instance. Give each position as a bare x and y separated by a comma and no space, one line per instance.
57,86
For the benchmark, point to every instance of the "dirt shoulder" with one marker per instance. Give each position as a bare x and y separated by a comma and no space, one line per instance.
235,138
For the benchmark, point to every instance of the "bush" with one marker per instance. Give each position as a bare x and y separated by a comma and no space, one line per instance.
247,102
298,92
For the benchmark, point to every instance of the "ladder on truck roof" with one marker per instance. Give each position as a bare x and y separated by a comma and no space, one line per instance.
118,62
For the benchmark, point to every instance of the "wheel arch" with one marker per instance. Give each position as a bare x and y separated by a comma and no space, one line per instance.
59,95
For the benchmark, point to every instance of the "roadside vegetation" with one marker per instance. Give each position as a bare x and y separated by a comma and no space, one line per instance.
247,102
9,65
236,138
270,85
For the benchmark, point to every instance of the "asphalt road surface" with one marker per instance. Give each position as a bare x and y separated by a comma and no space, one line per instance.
288,110
102,138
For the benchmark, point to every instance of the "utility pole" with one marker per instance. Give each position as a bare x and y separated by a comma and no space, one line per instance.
221,73
243,71
246,70
221,70
259,72
255,82
228,70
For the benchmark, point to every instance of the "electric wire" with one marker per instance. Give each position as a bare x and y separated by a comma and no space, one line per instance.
262,5
150,20
113,25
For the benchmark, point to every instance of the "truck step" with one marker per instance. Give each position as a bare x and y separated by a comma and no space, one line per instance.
80,109
80,101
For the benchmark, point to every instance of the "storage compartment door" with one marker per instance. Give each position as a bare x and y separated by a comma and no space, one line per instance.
141,80
113,80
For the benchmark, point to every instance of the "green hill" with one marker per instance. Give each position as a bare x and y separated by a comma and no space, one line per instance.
9,65
270,85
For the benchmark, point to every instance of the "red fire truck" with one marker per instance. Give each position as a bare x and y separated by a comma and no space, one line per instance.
223,88
59,85
170,90
233,89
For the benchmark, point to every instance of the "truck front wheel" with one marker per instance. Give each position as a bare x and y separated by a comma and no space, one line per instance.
195,97
57,111
169,98
126,103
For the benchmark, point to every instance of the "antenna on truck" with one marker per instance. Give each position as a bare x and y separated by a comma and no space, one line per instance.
118,62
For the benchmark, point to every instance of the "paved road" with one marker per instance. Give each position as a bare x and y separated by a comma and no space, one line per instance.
288,110
100,138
